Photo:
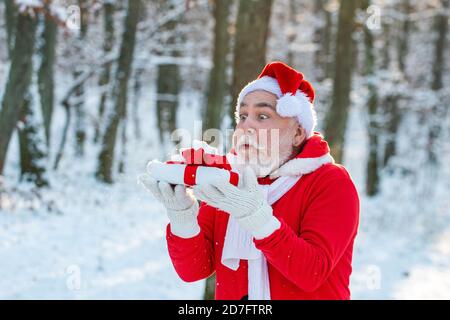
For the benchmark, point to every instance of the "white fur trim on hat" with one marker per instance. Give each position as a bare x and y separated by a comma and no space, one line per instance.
288,105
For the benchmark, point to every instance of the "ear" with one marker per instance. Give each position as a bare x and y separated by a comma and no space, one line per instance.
300,136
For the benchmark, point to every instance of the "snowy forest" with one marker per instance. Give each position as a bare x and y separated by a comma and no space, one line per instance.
91,90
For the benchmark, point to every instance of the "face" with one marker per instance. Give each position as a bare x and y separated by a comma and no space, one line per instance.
263,139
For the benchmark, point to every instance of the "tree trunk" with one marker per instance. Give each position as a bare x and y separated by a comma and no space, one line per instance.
66,103
169,81
137,88
292,36
11,20
32,154
392,112
328,43
18,81
80,113
123,140
109,33
139,73
385,54
322,38
62,143
217,77
438,111
441,29
252,28
168,88
336,118
402,43
119,92
372,177
46,74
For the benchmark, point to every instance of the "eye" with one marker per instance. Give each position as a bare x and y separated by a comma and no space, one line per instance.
263,117
242,116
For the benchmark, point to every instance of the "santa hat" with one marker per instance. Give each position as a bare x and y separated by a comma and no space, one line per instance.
295,94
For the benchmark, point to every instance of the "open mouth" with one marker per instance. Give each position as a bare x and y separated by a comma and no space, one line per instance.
247,147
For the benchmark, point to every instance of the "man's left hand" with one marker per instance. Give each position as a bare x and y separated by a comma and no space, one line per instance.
246,204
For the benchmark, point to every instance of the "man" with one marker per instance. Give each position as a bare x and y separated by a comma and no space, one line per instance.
287,231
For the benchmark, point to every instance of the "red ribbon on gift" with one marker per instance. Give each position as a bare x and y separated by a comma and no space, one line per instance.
194,158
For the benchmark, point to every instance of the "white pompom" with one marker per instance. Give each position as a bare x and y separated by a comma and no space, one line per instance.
289,105
298,106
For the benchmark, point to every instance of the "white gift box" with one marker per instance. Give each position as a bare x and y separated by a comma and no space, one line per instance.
174,173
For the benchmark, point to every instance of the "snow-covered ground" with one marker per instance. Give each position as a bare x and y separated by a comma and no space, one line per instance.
108,242
96,241
403,247
99,241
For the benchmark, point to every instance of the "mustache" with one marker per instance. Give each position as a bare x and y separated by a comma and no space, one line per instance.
249,140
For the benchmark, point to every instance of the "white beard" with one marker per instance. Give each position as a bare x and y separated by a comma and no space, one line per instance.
260,161
257,155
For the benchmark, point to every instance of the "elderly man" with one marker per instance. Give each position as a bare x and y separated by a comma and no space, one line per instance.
287,231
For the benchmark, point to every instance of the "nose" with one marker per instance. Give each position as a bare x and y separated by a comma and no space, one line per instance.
250,131
248,127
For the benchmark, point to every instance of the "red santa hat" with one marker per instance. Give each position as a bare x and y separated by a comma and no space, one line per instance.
295,94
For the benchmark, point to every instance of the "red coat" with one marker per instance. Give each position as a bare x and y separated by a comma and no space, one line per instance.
309,256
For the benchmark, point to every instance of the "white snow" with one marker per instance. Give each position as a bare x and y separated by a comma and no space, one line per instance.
96,242
108,241
402,250
25,5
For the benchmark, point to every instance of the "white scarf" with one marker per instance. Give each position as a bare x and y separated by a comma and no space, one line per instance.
239,244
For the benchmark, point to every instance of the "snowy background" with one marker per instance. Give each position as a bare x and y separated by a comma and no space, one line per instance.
82,239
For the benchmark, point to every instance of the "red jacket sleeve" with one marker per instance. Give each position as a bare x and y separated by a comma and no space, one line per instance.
328,226
193,258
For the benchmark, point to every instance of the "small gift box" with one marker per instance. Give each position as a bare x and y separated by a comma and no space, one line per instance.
194,166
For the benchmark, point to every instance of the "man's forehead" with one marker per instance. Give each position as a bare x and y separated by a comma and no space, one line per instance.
259,98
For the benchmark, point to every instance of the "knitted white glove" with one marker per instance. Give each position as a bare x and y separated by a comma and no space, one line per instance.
247,204
182,209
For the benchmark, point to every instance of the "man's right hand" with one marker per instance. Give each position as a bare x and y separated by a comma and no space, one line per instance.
182,208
